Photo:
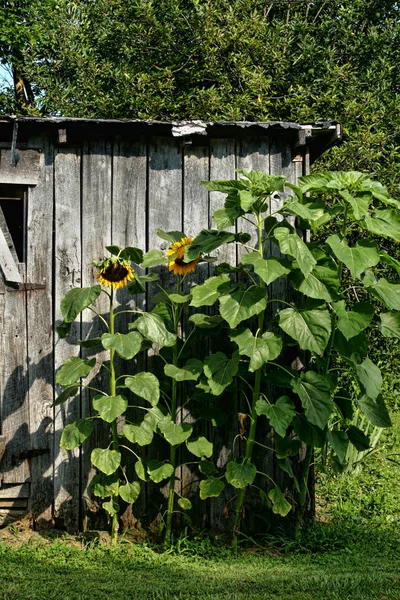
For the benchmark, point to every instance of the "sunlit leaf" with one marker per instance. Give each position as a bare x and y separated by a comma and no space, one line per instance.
240,474
190,372
145,385
75,433
207,241
293,245
314,391
173,433
152,327
110,407
107,461
259,349
73,369
76,300
310,328
185,503
126,345
390,324
200,447
211,487
370,377
363,255
130,492
209,292
242,304
220,371
385,223
352,322
153,258
280,506
139,434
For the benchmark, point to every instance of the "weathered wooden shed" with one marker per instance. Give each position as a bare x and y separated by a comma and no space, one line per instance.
68,187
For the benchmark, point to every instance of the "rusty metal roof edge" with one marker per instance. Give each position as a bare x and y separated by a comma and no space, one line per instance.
183,127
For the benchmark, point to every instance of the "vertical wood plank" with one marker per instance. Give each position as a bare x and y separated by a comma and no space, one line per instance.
251,154
14,405
129,228
40,335
67,167
222,166
164,211
96,234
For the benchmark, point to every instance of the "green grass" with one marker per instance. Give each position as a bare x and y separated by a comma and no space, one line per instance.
365,569
353,555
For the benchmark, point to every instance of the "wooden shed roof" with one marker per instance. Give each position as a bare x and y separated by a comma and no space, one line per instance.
318,136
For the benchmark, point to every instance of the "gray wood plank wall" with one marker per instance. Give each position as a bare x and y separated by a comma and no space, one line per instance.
82,198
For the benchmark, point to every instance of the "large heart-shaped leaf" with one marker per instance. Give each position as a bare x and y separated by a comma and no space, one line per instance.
107,461
310,328
110,407
139,434
211,488
158,471
280,506
310,286
339,442
240,474
390,324
73,369
145,385
267,269
388,292
205,321
375,410
220,371
105,486
126,345
76,300
370,377
200,447
242,304
314,391
153,258
385,223
75,433
190,372
207,241
152,327
359,258
280,414
293,245
209,292
259,349
130,492
352,322
173,433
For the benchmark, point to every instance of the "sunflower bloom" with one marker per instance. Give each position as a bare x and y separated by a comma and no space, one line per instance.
177,251
115,272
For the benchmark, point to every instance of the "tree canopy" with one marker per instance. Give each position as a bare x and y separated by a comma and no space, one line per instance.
254,60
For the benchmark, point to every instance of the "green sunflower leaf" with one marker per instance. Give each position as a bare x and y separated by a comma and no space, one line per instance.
314,391
370,377
385,223
205,321
268,269
390,324
69,392
310,286
105,486
280,506
280,414
75,433
76,300
354,347
184,503
200,447
158,471
207,241
139,434
358,438
220,371
173,433
110,407
375,410
359,258
240,474
206,467
190,372
153,258
111,507
310,328
170,236
209,292
152,327
339,442
388,292
259,349
145,385
130,492
73,369
292,245
126,345
286,446
107,461
131,254
211,488
352,322
242,304
308,433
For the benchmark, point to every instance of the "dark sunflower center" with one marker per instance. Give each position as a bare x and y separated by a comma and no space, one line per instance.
181,262
115,272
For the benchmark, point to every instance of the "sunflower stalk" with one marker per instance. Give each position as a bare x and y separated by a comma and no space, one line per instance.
114,429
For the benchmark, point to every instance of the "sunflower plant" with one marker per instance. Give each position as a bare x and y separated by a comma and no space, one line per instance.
286,353
123,391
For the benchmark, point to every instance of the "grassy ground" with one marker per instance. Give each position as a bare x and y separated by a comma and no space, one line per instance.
353,553
58,571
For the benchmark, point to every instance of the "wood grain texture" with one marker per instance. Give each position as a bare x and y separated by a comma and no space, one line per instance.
27,169
68,248
96,234
40,335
